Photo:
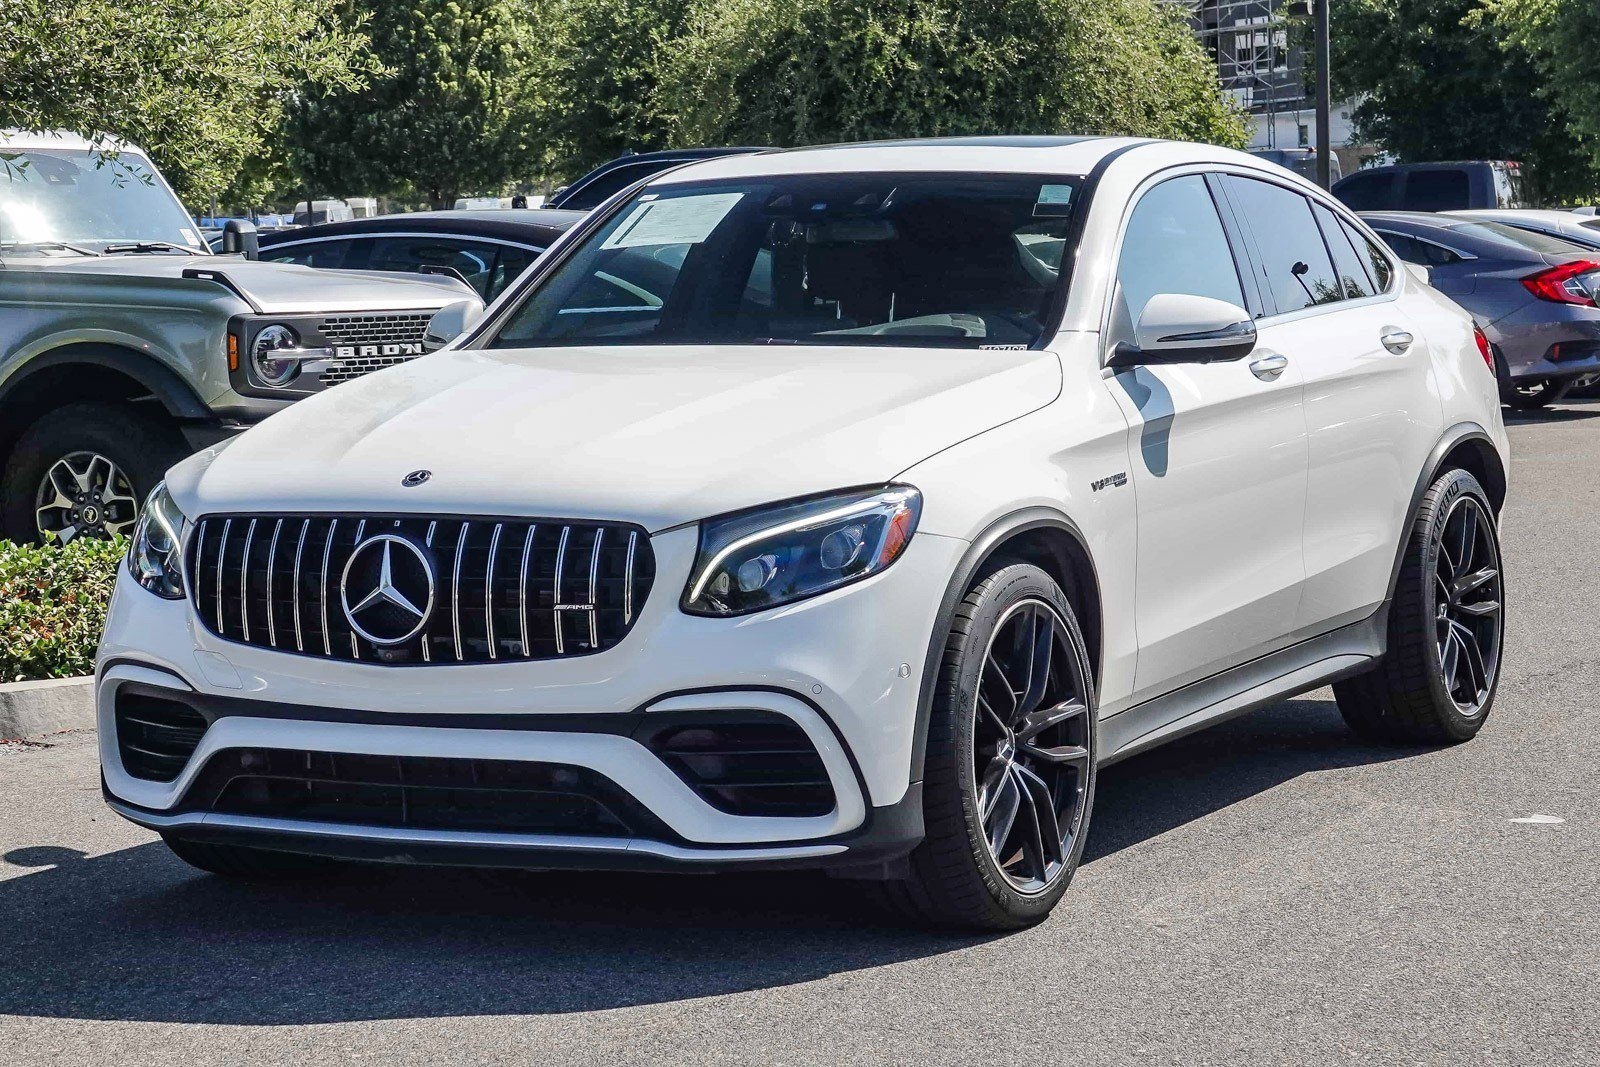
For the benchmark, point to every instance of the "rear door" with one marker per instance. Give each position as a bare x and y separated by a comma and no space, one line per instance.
1365,372
1217,454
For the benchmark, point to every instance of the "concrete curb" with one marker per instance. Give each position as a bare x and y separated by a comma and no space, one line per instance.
28,709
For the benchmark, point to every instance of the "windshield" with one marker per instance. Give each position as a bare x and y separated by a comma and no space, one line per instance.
951,260
83,198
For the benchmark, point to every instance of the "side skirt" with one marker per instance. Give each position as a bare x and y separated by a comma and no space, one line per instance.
1288,672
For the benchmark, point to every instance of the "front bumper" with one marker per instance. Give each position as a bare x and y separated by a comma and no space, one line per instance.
845,668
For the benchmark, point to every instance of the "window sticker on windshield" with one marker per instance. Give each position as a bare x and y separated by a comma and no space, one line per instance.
191,239
1054,200
682,220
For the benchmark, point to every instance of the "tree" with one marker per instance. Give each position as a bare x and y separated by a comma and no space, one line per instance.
1441,83
600,73
1558,37
451,111
789,72
199,84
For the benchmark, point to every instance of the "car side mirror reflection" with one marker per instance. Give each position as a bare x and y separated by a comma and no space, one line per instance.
1177,328
450,322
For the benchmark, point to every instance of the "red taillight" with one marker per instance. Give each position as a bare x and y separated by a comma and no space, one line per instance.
1483,348
1561,283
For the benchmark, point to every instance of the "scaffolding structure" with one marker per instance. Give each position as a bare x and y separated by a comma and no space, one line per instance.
1258,64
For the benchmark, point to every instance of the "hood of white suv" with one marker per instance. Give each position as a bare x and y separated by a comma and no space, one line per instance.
655,435
276,288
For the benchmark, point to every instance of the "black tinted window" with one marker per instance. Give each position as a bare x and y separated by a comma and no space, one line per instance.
472,260
1407,248
1365,192
508,267
1352,274
1295,262
592,194
1437,190
309,253
1378,266
1175,244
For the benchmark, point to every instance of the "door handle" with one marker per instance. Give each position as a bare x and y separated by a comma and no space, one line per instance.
1395,339
1267,368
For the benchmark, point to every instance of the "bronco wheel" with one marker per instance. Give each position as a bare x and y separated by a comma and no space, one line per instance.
1010,769
1438,678
83,471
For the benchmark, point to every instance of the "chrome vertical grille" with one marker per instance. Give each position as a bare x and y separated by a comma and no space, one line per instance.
502,589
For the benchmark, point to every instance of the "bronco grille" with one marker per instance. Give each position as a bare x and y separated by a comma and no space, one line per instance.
378,341
457,590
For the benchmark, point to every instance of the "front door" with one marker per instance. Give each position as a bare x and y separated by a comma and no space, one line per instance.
1217,454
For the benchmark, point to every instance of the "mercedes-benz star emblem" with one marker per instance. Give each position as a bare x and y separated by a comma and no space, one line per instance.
415,478
387,590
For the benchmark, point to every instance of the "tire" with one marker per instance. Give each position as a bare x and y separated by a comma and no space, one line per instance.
139,448
955,879
1416,693
1530,397
243,863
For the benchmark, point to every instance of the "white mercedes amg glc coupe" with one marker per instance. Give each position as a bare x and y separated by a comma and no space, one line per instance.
840,508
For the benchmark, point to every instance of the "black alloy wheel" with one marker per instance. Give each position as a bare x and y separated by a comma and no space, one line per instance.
1031,747
1468,605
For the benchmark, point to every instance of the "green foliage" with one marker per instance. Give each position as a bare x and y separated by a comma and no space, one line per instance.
200,84
53,607
1558,37
451,112
789,72
1442,83
600,72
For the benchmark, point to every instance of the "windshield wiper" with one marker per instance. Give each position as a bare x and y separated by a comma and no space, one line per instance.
11,246
150,246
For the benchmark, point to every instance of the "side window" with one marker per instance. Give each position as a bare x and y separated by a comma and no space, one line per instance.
508,267
472,260
1377,263
1294,261
1352,275
309,253
1407,248
1174,243
1437,190
1365,192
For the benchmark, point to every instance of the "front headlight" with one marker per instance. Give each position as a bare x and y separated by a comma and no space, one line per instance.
274,365
155,558
759,559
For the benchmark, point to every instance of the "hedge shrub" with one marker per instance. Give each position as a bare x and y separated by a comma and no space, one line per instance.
53,607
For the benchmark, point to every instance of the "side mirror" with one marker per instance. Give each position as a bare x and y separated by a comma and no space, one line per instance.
239,238
1421,273
450,322
1174,328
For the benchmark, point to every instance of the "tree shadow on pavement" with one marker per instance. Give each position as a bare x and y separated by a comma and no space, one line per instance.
136,935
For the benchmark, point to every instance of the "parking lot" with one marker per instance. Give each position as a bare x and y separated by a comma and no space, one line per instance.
1270,891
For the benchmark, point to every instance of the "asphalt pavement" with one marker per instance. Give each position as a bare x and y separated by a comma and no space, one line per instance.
1271,891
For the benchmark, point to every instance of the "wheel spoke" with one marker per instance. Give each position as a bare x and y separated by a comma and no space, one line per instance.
1002,815
1450,659
1070,755
1481,607
1036,722
995,679
1045,829
1473,581
1041,631
1469,538
1477,673
988,792
983,705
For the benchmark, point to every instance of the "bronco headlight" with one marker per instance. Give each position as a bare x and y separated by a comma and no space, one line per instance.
759,559
155,558
275,354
